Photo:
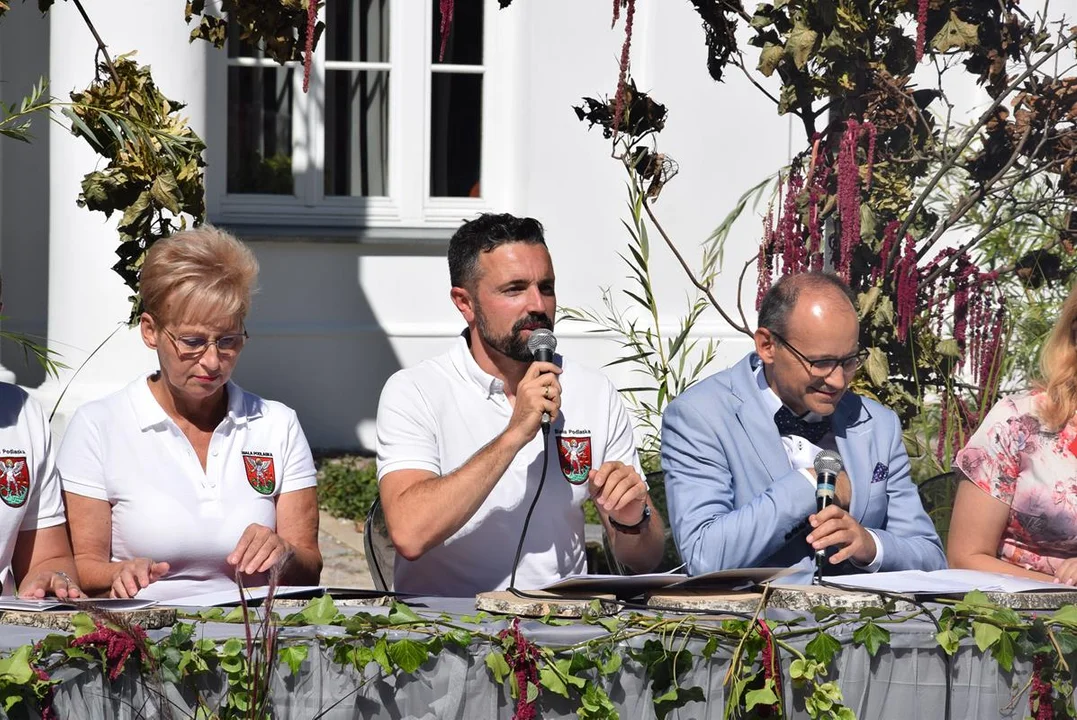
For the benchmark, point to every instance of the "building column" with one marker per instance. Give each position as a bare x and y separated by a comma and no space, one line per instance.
88,302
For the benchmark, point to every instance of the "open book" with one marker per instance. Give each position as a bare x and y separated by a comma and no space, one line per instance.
943,582
632,585
18,604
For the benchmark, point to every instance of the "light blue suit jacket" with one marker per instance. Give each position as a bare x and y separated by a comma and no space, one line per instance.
735,503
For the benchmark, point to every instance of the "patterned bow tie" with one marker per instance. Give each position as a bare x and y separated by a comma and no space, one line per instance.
790,424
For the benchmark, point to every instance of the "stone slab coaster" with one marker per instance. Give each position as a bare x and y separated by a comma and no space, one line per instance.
705,601
803,598
147,618
374,601
566,606
1033,600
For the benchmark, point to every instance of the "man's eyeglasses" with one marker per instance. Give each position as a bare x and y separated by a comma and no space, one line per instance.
822,368
195,346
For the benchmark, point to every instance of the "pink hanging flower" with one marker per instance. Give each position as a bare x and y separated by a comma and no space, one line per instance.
1039,697
117,644
889,237
522,658
308,49
921,28
906,289
619,98
446,7
848,195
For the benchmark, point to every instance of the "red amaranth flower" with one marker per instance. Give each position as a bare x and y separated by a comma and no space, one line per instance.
771,670
619,97
522,658
889,237
446,7
921,28
906,272
1040,704
117,644
848,196
48,712
790,230
616,12
308,49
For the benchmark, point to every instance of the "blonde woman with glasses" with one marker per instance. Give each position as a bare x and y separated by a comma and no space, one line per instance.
1017,514
182,482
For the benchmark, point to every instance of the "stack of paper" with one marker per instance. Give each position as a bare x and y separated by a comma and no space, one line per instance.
943,582
46,604
633,585
231,596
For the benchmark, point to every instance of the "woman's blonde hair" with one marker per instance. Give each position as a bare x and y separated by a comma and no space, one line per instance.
1058,365
198,274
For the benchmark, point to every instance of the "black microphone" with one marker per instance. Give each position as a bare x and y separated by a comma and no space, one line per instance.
827,466
542,343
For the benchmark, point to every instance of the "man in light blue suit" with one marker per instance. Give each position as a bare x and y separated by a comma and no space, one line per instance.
738,450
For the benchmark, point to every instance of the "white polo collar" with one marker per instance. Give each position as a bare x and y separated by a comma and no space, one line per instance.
150,414
470,370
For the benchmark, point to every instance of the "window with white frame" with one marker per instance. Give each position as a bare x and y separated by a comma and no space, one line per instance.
389,134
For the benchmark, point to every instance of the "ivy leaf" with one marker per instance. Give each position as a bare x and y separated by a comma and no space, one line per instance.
710,648
801,44
459,637
319,611
409,655
595,704
985,634
552,682
15,668
763,696
82,624
380,655
676,697
1004,651
877,366
294,655
401,614
948,641
495,660
872,637
532,692
614,663
823,648
870,613
956,34
1066,615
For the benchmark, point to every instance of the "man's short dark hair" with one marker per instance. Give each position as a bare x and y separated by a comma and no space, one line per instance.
782,297
483,234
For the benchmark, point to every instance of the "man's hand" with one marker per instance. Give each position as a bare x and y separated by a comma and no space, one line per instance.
259,549
50,582
130,576
619,491
539,391
834,526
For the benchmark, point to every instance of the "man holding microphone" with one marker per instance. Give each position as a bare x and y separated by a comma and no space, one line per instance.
460,452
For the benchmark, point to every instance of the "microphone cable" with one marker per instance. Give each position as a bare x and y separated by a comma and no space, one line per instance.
527,519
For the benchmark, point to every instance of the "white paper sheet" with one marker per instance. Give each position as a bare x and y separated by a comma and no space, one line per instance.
46,604
943,582
231,597
628,585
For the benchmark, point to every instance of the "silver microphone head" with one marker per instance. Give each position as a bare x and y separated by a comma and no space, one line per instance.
541,339
828,461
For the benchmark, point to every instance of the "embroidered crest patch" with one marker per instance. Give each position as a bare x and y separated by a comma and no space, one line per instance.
260,472
575,454
15,483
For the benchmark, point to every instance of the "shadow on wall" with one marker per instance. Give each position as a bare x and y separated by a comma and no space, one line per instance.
24,197
315,342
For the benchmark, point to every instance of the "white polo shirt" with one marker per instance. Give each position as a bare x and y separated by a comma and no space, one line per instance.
437,415
125,449
29,487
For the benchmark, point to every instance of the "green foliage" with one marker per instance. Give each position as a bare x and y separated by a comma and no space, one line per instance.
347,485
154,170
277,26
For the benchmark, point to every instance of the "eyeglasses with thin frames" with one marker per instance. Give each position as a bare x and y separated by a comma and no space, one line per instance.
195,346
823,367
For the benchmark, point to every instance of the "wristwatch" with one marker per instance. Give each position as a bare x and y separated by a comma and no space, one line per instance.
633,529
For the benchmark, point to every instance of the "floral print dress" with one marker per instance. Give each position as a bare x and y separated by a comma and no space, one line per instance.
1013,458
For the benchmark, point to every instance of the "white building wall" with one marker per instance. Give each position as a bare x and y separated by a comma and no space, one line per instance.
334,318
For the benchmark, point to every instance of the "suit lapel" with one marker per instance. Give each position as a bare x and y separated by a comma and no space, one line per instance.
852,429
757,424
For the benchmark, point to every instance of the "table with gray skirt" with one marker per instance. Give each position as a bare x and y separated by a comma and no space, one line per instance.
906,680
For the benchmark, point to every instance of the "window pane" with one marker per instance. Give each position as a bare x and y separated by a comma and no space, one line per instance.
356,132
357,30
464,46
455,135
260,130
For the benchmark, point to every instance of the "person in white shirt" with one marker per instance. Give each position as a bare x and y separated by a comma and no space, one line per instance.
182,481
459,449
35,556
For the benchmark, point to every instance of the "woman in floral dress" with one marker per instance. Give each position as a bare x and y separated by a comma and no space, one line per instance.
1018,512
